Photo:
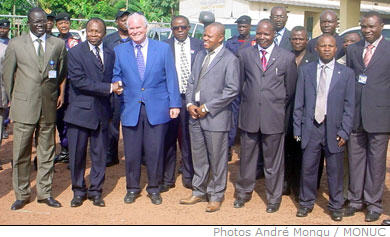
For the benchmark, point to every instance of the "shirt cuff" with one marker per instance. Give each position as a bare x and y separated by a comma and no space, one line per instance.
110,88
205,107
188,105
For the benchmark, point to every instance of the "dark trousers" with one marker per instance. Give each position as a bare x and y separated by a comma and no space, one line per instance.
62,127
273,153
367,169
113,129
78,143
178,130
235,105
293,161
310,164
150,139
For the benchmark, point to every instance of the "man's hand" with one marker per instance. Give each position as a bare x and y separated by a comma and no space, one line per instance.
174,112
202,111
60,101
193,110
341,141
117,87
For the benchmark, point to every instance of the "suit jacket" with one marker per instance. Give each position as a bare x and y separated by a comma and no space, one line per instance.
195,44
285,42
219,86
311,45
340,104
29,87
159,90
372,110
89,88
266,94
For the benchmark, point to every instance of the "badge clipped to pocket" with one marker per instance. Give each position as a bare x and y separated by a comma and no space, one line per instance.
52,70
362,79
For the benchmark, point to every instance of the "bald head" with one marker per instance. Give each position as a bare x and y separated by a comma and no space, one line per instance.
328,22
219,28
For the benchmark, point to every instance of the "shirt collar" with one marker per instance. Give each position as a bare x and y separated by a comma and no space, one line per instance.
216,50
92,47
375,44
186,41
281,32
329,65
143,44
268,50
34,37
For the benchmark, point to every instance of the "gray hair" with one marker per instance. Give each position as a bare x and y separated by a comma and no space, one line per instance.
136,14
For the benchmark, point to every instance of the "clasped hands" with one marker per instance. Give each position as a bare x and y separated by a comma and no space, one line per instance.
197,112
340,140
117,87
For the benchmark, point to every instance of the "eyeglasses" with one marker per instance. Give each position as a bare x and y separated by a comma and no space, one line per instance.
179,27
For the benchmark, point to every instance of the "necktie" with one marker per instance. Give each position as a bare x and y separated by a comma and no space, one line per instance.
184,69
140,61
40,52
276,41
368,54
263,59
205,64
101,66
319,113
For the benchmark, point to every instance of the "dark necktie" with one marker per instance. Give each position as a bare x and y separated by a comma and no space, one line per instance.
184,69
205,64
41,53
320,112
101,66
276,41
263,59
140,61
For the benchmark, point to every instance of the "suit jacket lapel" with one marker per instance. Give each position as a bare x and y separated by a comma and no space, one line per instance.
132,58
360,53
202,55
48,52
335,76
30,49
376,53
150,58
272,58
256,56
313,75
215,61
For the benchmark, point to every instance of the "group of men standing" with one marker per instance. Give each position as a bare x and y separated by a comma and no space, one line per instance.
293,102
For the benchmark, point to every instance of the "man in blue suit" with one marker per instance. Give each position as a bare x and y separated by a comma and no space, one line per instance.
323,119
184,49
90,72
151,99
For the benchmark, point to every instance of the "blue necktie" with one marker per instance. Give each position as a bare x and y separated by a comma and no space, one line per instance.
140,61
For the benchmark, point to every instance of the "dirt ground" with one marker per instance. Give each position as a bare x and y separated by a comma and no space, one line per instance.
143,212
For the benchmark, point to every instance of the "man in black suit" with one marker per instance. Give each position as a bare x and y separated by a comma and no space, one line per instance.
184,50
368,143
282,36
328,25
90,72
110,41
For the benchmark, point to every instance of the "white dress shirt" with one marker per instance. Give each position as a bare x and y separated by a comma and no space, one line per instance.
187,50
144,49
329,73
280,35
35,42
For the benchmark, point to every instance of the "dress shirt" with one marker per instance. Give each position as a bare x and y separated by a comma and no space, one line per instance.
144,49
92,48
375,44
280,35
35,42
268,50
329,74
187,50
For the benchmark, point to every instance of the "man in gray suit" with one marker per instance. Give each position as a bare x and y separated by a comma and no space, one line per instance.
213,85
268,78
279,18
369,139
323,114
33,69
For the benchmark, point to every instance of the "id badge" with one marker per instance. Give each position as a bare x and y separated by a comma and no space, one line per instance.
362,79
52,74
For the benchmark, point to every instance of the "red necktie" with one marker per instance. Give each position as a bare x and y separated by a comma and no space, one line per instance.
368,54
263,59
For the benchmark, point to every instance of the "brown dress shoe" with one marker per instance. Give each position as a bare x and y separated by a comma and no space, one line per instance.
213,206
192,200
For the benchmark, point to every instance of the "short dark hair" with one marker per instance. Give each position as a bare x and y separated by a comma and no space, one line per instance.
326,35
180,16
96,19
299,28
34,9
372,14
268,21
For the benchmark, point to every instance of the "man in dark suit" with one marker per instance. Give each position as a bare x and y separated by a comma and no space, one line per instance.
33,68
368,143
184,49
213,85
328,25
151,99
282,36
323,118
268,78
90,68
110,41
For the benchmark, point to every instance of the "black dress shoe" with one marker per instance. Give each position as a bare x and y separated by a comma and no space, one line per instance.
350,211
77,201
18,204
271,208
155,198
166,187
386,222
97,200
130,197
303,211
63,157
238,203
372,216
336,215
51,202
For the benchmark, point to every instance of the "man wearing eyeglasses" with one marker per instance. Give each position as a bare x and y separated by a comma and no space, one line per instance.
282,36
34,66
184,49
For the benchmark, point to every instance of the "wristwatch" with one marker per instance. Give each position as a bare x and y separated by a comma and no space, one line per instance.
203,110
